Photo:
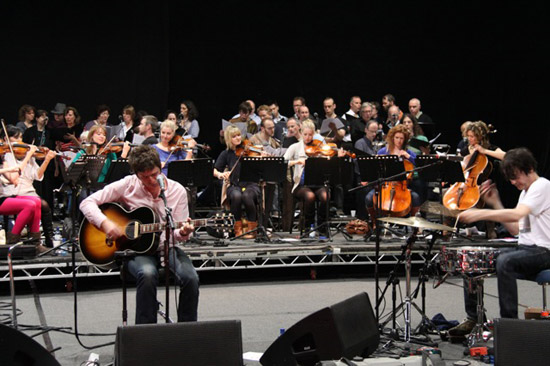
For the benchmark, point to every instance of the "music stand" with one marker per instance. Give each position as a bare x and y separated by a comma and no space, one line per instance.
118,169
192,174
261,171
325,172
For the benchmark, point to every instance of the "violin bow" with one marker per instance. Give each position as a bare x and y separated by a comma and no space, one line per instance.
106,145
7,138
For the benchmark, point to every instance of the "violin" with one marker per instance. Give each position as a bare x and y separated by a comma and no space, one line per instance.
464,195
20,150
317,148
179,143
115,147
395,196
248,150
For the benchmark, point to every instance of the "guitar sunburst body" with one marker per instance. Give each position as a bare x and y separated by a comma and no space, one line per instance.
100,250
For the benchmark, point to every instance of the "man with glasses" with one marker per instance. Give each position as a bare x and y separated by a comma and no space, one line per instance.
142,189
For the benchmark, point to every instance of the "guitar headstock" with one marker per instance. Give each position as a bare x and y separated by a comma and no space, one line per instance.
221,225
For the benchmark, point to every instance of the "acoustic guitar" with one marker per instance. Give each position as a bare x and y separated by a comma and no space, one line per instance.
140,228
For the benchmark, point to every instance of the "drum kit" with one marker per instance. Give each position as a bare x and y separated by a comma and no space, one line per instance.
473,263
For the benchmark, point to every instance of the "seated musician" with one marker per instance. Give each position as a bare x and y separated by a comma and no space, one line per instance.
26,209
477,134
396,139
142,189
228,168
530,219
296,156
22,183
97,145
167,149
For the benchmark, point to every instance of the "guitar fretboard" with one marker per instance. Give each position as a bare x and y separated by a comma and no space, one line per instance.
156,227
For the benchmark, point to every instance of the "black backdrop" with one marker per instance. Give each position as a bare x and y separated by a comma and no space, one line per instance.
464,60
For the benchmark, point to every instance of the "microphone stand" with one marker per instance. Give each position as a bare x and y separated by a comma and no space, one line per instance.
170,227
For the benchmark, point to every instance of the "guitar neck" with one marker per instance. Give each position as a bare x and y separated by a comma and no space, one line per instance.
157,227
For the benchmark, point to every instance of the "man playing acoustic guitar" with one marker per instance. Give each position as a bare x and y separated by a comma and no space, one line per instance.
142,189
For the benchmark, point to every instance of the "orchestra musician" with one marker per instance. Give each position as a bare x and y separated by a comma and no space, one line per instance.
97,144
397,140
296,156
228,167
477,134
142,189
168,148
21,183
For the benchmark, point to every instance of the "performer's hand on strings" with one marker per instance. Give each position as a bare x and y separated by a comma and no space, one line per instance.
111,229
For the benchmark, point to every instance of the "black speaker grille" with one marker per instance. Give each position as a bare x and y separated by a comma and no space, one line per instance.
209,343
522,342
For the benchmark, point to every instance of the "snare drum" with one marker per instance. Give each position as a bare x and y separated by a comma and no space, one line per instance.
470,261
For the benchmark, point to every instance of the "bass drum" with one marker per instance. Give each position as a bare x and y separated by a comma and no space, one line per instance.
469,260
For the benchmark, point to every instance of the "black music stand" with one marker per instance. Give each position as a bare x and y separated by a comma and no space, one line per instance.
118,169
261,171
192,174
326,172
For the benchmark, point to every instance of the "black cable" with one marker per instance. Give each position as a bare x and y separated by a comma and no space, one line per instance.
75,291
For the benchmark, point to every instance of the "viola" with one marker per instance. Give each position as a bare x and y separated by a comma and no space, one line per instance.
395,196
464,195
186,140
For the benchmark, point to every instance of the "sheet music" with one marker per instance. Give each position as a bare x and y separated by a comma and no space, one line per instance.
240,125
326,129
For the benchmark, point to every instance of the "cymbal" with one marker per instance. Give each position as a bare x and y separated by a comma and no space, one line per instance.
418,222
438,209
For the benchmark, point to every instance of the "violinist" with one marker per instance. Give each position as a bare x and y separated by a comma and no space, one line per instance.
147,127
39,135
21,188
396,139
168,148
96,144
228,168
415,130
296,156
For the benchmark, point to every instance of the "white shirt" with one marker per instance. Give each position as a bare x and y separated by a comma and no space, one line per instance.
535,227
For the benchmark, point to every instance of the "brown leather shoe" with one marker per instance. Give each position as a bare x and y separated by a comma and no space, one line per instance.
251,226
12,238
238,227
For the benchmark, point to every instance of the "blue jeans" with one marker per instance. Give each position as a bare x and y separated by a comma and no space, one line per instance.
145,270
523,262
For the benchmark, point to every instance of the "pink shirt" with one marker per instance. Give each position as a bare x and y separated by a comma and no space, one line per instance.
131,194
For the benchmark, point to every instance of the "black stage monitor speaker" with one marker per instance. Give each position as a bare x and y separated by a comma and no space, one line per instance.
346,329
209,343
522,342
18,349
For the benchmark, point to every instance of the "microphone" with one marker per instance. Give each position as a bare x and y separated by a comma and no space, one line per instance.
160,180
120,118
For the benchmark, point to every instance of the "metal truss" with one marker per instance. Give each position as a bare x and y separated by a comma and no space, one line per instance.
237,257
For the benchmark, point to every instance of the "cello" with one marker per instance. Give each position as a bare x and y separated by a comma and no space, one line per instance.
465,195
395,196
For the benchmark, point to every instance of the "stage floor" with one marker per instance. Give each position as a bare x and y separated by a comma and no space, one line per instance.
264,301
263,307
